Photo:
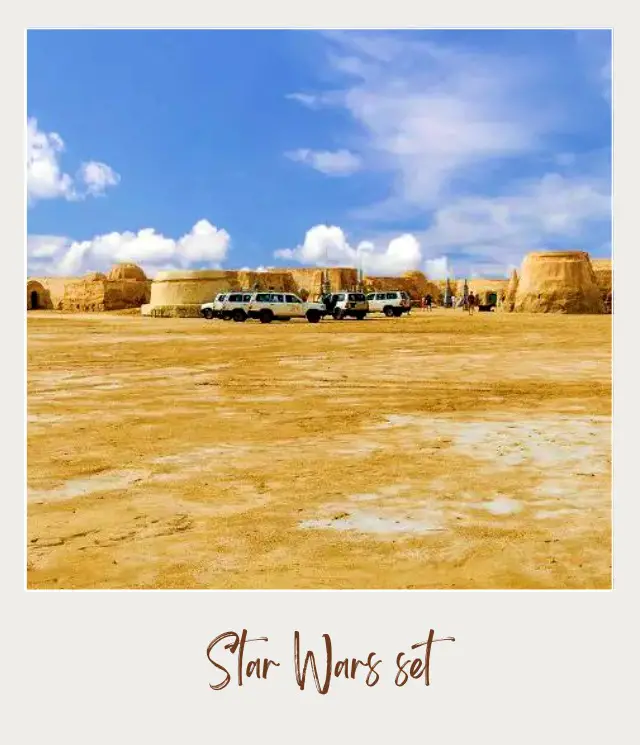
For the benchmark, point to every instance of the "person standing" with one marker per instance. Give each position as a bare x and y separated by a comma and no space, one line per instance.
471,302
428,301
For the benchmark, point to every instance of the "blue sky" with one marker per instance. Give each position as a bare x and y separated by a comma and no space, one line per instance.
451,151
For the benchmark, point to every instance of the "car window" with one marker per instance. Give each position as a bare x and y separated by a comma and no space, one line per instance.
246,298
263,297
371,296
357,296
293,299
235,298
380,296
340,297
392,295
277,298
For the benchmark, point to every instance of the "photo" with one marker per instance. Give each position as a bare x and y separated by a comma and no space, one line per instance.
313,309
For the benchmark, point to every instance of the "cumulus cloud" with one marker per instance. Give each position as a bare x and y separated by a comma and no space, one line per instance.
97,177
326,245
336,163
204,245
478,235
47,180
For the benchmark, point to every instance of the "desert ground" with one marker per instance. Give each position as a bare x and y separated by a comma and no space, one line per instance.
436,450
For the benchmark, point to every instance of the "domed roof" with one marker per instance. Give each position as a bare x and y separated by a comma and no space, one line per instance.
413,273
126,271
94,276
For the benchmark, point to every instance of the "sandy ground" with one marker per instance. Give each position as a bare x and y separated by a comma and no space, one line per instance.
431,451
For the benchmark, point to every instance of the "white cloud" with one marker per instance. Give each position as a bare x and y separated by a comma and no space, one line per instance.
428,113
45,180
336,163
482,236
537,212
97,177
306,99
438,268
45,177
203,245
326,245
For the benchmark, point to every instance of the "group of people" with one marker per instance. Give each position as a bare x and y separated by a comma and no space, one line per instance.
469,303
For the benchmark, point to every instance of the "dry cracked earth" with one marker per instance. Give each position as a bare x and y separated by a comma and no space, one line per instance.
432,451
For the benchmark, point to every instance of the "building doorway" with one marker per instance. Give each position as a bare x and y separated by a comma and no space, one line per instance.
37,296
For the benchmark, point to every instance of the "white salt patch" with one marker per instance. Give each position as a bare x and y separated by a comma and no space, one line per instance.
108,481
552,489
502,506
370,522
398,420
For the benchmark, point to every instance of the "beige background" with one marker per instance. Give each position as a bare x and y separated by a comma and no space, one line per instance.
543,667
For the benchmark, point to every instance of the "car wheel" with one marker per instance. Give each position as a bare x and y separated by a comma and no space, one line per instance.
388,311
397,312
207,313
313,316
360,316
266,316
239,315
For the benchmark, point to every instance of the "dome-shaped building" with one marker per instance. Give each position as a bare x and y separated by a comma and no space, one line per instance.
558,282
126,271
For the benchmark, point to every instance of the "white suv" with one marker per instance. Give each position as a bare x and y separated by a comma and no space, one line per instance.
213,309
390,303
226,304
270,306
344,303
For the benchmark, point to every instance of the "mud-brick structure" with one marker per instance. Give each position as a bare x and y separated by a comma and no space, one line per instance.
604,279
309,282
414,283
558,282
488,291
126,286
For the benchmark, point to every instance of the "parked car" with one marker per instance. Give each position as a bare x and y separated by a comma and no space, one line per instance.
269,306
393,303
234,305
213,309
342,304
